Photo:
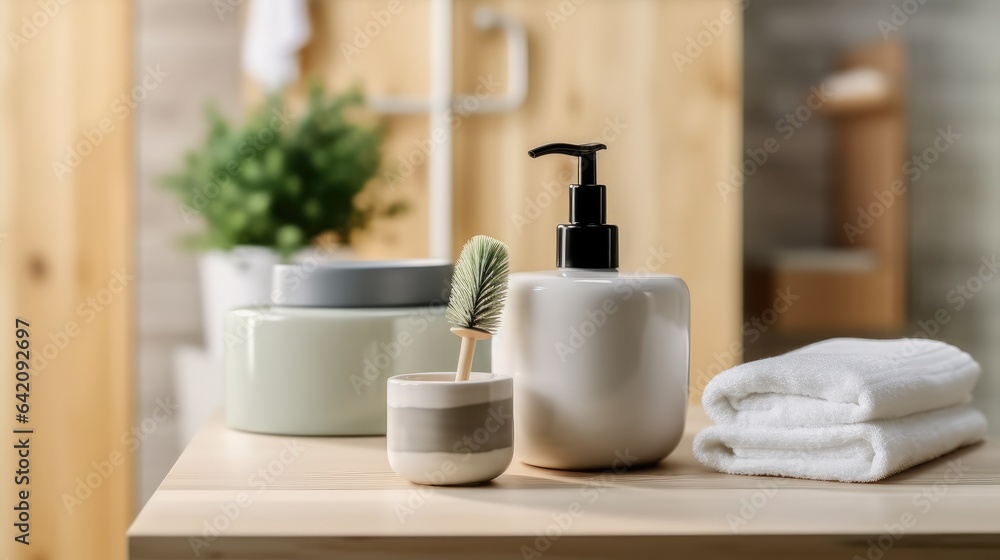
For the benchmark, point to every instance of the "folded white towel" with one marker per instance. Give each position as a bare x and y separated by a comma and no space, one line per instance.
842,381
862,452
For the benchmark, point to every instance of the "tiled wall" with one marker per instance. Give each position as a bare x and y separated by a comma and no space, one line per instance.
199,50
954,49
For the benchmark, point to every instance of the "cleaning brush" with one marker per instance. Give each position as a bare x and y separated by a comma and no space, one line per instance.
478,293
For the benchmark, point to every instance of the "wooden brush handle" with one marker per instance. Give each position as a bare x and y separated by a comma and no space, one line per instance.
468,351
465,357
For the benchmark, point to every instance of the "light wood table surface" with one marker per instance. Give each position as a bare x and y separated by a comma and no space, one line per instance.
239,495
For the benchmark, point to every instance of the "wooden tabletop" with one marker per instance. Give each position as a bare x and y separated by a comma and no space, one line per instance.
239,495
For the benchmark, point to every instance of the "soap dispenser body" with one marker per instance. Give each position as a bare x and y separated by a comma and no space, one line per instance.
600,365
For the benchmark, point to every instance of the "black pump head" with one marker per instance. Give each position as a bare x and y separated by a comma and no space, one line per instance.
587,241
586,152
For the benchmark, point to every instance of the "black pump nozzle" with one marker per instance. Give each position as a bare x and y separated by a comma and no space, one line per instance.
587,241
586,152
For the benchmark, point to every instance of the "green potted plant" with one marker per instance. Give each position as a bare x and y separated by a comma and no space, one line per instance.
266,190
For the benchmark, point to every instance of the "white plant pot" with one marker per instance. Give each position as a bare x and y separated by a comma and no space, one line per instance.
237,278
241,277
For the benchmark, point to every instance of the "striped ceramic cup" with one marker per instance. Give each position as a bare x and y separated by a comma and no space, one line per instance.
446,432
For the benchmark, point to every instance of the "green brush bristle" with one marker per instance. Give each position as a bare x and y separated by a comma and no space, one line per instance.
479,285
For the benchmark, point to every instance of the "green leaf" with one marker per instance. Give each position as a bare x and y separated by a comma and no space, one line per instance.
282,186
288,237
258,202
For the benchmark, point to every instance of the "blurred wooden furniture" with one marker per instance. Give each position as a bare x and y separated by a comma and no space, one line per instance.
239,495
624,73
857,285
66,242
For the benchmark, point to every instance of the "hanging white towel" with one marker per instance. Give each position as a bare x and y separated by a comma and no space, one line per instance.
842,381
862,452
275,31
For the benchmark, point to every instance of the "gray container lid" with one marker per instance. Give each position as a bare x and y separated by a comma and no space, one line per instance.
399,283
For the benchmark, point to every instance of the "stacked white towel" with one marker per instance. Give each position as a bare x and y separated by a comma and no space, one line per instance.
845,409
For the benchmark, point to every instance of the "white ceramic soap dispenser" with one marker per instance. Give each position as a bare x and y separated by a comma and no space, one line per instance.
599,357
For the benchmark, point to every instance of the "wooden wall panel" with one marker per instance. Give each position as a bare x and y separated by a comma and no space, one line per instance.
67,237
605,62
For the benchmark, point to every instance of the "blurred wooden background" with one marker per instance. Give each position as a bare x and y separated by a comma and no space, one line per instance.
66,234
604,71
